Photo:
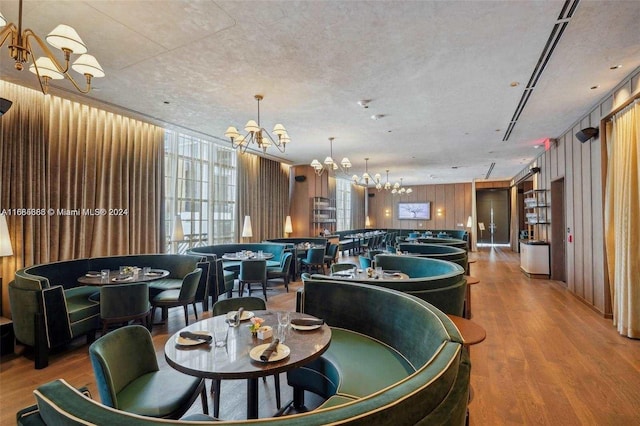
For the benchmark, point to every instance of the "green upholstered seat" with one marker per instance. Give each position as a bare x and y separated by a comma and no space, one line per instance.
283,271
337,267
122,303
129,379
184,297
253,271
314,260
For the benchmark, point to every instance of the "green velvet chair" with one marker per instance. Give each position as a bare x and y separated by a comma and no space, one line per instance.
122,303
283,271
331,255
314,260
221,307
365,262
184,297
253,271
129,379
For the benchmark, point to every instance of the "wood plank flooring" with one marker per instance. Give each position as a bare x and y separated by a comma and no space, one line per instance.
548,359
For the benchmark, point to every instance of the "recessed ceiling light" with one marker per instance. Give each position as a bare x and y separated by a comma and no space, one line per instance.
595,87
514,84
497,130
615,67
377,116
536,146
364,103
167,102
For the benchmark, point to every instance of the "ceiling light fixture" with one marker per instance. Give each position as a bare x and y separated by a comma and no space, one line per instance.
386,186
47,67
398,189
258,135
330,164
366,177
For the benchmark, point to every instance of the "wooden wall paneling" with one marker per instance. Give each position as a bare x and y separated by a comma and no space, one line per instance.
578,236
635,84
460,218
622,94
587,219
449,207
429,192
440,205
570,177
600,286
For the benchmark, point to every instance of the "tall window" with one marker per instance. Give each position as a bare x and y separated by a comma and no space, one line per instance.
343,204
200,188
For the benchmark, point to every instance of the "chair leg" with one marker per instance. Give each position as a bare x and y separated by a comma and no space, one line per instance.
195,310
240,288
215,390
203,398
186,314
276,381
264,290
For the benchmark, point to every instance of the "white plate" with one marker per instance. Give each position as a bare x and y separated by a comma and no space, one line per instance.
188,342
153,274
245,315
93,274
281,352
305,327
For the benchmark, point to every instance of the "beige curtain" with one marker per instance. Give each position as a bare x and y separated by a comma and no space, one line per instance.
108,167
622,219
97,175
358,194
263,195
23,180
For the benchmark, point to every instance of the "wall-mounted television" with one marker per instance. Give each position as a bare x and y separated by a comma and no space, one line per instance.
418,211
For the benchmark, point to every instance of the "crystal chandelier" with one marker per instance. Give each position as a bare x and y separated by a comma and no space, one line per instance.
398,189
330,164
47,67
366,177
258,135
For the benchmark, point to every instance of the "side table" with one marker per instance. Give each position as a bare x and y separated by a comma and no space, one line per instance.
7,338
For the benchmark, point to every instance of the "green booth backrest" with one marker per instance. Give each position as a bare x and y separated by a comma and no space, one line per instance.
418,267
220,249
373,312
437,251
177,265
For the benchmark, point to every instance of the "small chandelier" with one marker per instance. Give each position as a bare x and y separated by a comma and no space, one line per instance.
398,189
47,67
386,186
330,164
258,135
366,177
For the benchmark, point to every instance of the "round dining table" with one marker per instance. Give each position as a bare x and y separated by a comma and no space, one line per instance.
233,361
116,278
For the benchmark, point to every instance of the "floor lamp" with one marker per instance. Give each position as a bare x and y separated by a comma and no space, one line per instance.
5,247
288,228
177,234
247,232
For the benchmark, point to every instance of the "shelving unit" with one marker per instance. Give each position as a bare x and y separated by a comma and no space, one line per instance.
323,215
536,207
534,251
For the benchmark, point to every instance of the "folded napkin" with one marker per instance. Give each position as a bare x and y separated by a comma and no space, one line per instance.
389,272
270,349
93,274
307,321
194,336
238,316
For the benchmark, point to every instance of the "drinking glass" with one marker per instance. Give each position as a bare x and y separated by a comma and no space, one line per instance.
146,270
104,276
281,334
220,332
379,271
233,319
284,318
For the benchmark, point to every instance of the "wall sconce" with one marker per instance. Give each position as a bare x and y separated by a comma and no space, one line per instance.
247,232
288,228
387,212
439,212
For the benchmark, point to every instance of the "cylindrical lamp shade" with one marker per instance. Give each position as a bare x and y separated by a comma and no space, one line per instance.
5,241
469,222
288,227
247,232
177,234
367,222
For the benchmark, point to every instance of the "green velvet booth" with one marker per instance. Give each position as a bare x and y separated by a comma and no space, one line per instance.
453,242
436,251
50,308
439,282
428,385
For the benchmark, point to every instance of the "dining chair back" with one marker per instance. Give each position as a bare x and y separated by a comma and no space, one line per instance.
129,379
253,271
122,303
314,259
184,296
283,271
331,255
365,262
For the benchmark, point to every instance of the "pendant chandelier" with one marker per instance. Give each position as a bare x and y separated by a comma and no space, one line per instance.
258,135
366,177
386,186
398,189
48,67
330,164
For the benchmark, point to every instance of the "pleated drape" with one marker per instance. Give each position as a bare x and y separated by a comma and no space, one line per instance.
97,176
23,180
263,194
622,219
357,206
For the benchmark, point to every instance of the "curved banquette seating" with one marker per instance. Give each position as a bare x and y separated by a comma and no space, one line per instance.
231,265
453,242
438,282
317,241
436,251
416,369
49,307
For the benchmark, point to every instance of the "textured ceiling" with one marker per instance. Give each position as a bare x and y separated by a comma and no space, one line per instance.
439,72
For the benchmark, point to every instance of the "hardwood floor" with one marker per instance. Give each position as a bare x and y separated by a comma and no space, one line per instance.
548,359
